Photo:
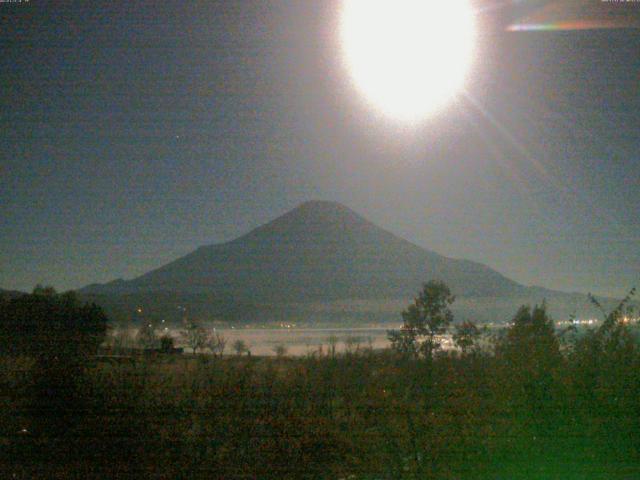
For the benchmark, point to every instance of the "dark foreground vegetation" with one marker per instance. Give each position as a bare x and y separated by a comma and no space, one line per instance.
532,403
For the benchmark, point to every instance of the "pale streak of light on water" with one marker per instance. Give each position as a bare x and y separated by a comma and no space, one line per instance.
298,341
303,341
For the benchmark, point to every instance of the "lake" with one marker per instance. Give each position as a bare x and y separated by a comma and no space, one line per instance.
303,341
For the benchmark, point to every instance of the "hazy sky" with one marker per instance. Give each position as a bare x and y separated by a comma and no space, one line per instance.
134,132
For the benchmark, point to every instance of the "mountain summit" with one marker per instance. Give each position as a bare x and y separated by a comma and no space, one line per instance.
318,251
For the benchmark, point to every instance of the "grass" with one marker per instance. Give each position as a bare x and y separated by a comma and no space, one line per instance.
361,416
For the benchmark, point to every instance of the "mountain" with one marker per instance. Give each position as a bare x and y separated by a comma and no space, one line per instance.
321,254
318,251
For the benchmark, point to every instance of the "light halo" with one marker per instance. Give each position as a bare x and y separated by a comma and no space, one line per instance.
409,58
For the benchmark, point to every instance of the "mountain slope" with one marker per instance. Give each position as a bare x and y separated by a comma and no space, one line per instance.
318,251
321,263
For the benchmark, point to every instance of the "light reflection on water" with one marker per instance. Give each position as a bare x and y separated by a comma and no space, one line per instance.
264,341
303,341
267,341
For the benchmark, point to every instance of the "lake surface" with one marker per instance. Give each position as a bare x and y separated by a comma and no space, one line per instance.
296,341
303,341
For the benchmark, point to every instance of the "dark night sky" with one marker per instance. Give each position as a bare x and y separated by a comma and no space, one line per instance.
134,132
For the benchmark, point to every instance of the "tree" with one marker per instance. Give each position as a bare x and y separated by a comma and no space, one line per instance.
403,341
370,344
332,340
146,336
58,332
466,336
166,344
50,326
531,338
530,359
240,347
195,335
424,321
352,344
617,315
217,344
122,339
280,350
605,363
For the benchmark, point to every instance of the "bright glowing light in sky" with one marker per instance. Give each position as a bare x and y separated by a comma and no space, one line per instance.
408,57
